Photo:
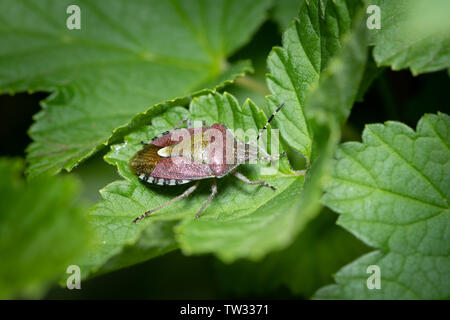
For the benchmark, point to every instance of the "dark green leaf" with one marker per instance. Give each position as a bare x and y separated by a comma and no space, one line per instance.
306,265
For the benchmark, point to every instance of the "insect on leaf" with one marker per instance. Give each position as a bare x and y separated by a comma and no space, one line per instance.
235,204
243,221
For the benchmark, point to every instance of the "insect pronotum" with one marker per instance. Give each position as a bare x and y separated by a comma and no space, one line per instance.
184,155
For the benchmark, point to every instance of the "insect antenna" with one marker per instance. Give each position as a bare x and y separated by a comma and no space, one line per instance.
265,155
268,121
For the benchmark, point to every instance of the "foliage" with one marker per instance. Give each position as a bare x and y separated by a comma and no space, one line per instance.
42,230
414,35
136,68
143,70
238,223
307,264
391,191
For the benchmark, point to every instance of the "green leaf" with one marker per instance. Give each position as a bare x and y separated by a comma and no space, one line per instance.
339,84
42,230
309,44
128,57
392,192
414,34
253,86
306,265
94,174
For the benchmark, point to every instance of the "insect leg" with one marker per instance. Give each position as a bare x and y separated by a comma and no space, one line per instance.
181,196
211,196
243,178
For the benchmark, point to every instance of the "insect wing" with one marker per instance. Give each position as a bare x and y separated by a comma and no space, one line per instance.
181,168
169,138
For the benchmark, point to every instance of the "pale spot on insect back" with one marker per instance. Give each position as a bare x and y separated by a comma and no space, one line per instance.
165,152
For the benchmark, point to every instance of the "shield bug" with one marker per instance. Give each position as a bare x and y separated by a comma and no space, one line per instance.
185,155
